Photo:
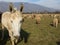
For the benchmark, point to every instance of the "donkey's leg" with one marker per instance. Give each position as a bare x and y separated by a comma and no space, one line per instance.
2,32
11,37
16,40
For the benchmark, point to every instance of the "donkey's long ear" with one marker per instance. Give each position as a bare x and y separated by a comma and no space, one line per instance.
21,7
11,7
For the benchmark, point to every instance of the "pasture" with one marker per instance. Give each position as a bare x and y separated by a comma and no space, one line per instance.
36,34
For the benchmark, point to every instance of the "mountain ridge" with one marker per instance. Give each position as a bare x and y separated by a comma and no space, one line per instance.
28,7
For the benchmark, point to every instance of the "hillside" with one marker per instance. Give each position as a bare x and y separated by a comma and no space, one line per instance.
27,7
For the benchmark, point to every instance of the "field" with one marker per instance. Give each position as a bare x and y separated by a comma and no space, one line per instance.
36,34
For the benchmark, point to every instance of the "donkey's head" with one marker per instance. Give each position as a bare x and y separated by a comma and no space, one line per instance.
16,21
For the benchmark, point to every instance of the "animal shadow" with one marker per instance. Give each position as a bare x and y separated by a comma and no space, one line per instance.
5,39
58,43
51,24
24,36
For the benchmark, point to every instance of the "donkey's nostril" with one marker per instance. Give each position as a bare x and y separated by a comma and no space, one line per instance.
17,37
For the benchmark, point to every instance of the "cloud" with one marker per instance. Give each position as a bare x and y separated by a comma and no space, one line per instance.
50,3
33,0
20,0
15,0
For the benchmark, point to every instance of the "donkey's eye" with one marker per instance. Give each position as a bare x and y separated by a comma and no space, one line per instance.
11,21
21,21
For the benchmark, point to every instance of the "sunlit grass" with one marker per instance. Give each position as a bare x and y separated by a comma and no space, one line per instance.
42,34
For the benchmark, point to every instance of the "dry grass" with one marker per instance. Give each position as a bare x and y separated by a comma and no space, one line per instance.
41,34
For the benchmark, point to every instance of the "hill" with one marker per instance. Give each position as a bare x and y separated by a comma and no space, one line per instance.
28,7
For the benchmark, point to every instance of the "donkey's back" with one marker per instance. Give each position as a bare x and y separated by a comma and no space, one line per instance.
5,18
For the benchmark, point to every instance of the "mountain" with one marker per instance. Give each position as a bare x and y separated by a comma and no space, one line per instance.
28,7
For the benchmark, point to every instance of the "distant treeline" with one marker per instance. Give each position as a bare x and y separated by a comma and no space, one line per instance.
56,12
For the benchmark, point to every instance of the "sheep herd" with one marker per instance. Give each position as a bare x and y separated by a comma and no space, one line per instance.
38,18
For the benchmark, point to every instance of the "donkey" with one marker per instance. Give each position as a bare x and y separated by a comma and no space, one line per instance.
12,21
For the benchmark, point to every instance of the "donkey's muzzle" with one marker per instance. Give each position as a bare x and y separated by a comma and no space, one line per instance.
17,37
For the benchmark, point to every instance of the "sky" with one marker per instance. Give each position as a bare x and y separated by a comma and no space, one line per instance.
47,3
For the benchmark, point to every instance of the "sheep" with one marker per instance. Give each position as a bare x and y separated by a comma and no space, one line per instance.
58,19
37,19
55,21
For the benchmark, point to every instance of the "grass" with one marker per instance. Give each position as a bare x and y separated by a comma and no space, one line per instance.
41,34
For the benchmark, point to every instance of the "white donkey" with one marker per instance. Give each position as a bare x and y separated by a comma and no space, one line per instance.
12,21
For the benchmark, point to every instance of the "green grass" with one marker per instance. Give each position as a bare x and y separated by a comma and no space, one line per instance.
41,34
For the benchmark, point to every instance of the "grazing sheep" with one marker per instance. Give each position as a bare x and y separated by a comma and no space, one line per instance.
58,19
29,16
25,16
55,21
38,19
33,16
